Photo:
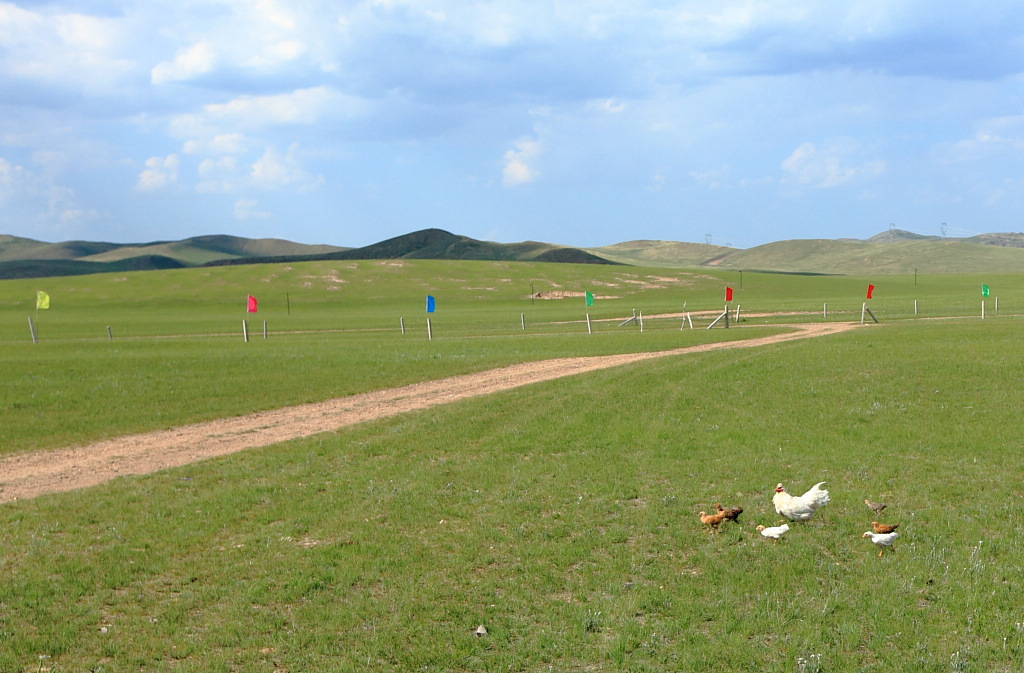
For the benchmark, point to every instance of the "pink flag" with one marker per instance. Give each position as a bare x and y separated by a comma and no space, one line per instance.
871,288
251,306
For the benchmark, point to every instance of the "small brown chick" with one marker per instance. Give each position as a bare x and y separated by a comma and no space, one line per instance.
875,507
711,520
730,513
884,527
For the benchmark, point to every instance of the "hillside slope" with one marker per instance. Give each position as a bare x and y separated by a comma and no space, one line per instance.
440,244
893,251
890,252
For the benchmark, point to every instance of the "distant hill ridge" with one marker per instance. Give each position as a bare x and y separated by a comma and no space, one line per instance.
893,251
440,244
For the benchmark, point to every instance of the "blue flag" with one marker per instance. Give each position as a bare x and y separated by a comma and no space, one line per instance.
430,304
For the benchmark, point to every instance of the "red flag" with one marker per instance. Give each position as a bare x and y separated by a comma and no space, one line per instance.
728,293
251,306
871,288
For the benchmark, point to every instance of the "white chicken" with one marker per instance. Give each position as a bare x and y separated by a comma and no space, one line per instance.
883,540
774,532
799,508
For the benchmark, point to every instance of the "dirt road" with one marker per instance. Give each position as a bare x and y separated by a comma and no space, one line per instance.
33,474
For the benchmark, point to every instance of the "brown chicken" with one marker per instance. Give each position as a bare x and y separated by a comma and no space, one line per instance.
711,520
875,507
884,527
730,513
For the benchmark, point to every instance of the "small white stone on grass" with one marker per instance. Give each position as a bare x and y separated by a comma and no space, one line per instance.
480,631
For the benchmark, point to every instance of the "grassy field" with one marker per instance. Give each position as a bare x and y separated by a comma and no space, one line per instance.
177,354
560,516
472,297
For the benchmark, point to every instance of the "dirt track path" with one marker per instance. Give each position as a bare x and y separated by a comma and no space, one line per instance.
33,474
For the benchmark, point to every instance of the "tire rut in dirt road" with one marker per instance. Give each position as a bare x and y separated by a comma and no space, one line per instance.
33,474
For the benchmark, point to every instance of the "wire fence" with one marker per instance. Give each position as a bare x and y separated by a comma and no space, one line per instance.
555,320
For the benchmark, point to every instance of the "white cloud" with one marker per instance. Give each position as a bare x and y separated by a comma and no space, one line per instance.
159,173
831,166
279,52
222,143
1002,134
712,179
302,106
606,105
12,177
218,176
209,167
39,197
274,170
519,162
246,209
188,63
64,49
274,13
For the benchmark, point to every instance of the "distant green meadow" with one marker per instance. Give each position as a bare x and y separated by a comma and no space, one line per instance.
123,353
561,517
472,297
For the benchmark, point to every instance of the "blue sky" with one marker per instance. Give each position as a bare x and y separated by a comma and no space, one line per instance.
573,122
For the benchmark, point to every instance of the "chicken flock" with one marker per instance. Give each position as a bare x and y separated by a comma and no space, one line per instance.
803,508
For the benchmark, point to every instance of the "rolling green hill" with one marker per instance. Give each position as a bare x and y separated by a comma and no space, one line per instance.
202,249
662,253
25,257
886,253
891,252
855,257
440,244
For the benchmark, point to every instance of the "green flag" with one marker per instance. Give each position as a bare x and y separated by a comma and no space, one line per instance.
984,290
590,298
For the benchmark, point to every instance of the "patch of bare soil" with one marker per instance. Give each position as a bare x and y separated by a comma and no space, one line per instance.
563,294
33,474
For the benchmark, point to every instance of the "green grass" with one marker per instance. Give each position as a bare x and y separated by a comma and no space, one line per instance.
177,354
562,516
472,297
66,393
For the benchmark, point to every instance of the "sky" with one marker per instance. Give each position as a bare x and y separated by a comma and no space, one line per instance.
584,123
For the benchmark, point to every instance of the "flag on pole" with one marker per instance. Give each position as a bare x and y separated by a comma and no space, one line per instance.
871,288
728,293
250,306
430,304
42,300
984,290
590,298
